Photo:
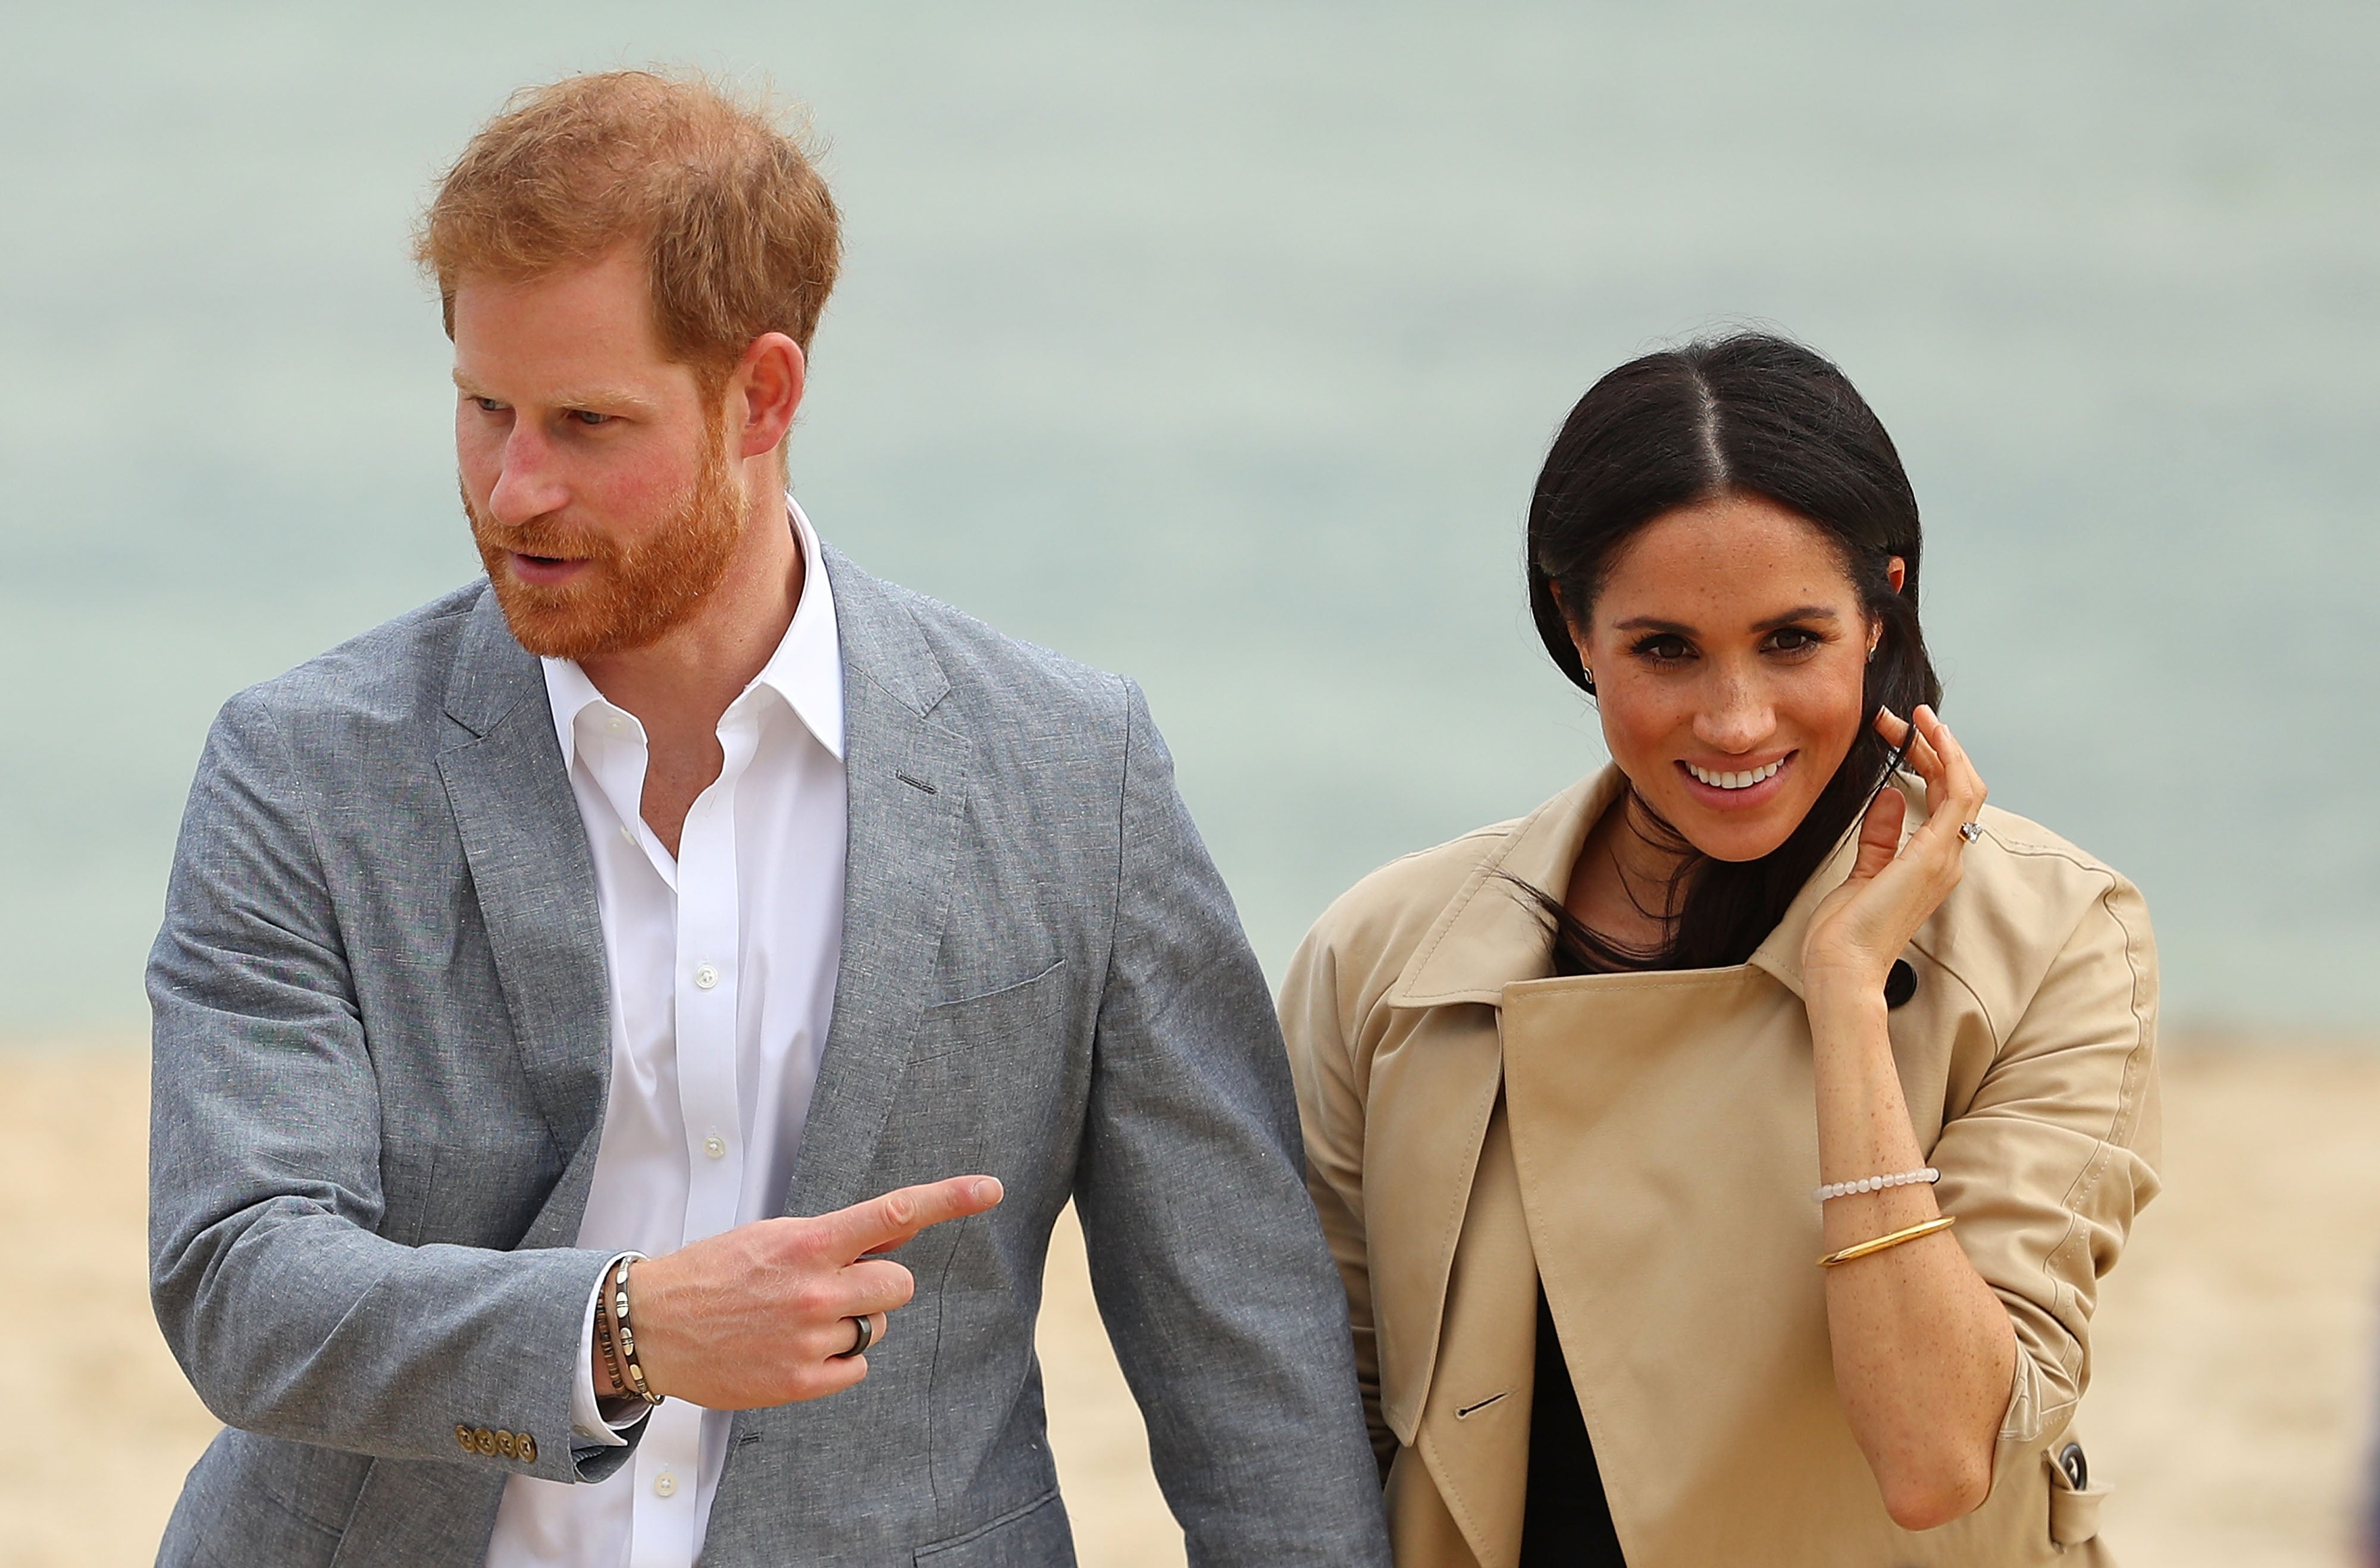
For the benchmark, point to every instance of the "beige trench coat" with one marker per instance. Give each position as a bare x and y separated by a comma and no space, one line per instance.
1647,1143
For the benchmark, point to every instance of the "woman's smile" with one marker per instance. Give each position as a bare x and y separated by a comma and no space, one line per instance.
1737,788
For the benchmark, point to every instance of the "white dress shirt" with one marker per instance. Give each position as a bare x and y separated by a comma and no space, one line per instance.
721,965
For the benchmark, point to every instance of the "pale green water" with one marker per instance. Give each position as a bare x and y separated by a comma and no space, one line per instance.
1218,344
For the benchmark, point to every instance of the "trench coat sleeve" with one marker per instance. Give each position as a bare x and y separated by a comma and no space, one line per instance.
2052,1157
1331,1104
292,1316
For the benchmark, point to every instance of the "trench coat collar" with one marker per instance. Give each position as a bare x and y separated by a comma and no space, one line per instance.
1490,935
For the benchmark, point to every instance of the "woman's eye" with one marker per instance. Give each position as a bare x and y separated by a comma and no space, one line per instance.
1663,650
1792,639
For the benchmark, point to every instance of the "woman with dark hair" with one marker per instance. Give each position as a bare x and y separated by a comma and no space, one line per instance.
1569,1082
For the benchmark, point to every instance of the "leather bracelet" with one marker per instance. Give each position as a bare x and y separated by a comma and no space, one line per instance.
1864,1248
619,1308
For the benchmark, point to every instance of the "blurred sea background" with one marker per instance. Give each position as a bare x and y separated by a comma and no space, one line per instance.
1219,346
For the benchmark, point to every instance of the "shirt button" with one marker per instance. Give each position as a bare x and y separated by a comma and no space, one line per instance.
612,725
664,1485
715,1146
705,976
629,833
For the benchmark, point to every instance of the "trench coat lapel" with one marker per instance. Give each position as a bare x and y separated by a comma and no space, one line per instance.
1486,949
527,850
1434,1102
1466,1325
907,780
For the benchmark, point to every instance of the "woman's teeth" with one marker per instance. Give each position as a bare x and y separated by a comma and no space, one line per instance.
1734,781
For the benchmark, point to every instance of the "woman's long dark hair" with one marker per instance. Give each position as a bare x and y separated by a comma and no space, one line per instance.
1748,413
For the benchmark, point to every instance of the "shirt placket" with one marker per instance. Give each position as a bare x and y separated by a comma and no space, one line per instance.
705,983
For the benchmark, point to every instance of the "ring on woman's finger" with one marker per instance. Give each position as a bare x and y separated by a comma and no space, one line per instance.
864,1335
1970,831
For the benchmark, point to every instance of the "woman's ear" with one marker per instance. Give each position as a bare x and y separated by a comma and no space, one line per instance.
1896,571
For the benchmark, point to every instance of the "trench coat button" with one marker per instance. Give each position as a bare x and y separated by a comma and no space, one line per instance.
1901,984
463,1435
2077,1468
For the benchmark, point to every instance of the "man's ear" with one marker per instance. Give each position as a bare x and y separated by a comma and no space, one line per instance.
767,392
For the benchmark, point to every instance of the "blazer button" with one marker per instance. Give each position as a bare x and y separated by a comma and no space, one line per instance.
485,1441
463,1435
526,1447
1901,984
504,1444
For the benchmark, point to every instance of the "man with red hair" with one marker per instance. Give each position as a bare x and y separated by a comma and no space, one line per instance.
625,1029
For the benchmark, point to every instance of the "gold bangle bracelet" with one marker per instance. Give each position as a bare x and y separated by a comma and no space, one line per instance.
1941,1222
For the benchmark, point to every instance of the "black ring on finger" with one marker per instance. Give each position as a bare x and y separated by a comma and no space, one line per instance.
864,1336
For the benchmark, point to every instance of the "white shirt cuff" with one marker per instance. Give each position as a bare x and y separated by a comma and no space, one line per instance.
589,1419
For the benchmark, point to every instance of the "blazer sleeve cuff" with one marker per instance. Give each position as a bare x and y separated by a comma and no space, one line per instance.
591,1426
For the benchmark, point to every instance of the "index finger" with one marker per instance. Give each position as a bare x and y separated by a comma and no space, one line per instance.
904,1212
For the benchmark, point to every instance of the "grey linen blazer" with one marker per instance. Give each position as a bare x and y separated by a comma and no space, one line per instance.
381,1051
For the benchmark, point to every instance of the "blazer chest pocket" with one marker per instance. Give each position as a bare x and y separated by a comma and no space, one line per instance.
1013,1014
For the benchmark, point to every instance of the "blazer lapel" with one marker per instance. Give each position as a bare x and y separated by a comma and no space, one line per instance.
527,850
906,778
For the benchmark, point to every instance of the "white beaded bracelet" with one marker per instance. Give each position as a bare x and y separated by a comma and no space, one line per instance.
1875,1184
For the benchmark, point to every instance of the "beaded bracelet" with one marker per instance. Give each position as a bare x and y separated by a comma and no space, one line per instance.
635,1381
611,1351
1875,1183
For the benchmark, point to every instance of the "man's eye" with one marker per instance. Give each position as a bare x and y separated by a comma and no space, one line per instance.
589,416
489,406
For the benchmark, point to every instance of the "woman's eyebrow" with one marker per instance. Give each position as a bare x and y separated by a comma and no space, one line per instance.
1807,612
1678,628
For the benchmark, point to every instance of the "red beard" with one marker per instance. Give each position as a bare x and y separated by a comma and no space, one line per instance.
629,595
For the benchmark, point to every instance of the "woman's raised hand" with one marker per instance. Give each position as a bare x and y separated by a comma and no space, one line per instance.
1861,927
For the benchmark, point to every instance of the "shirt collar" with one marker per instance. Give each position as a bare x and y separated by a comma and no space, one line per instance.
806,668
805,671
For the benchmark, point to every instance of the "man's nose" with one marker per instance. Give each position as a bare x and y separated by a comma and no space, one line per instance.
528,484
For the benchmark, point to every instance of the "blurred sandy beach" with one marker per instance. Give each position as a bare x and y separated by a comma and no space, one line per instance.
2229,1408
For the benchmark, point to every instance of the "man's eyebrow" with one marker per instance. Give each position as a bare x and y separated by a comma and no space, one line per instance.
602,398
1679,629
